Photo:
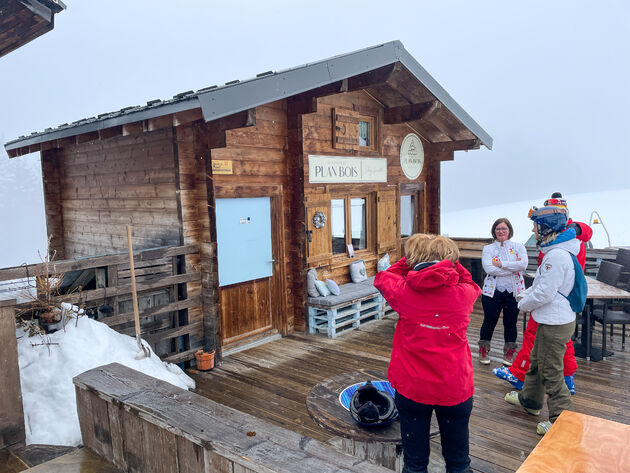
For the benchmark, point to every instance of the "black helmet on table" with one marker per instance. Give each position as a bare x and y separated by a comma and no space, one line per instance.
370,407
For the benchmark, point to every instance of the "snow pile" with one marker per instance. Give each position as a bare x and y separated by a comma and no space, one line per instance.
46,372
611,206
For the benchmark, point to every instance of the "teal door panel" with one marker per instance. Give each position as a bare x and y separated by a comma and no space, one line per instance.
243,239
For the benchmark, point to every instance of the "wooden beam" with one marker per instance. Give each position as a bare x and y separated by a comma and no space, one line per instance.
85,137
157,123
187,116
411,112
63,266
373,78
450,146
132,128
110,132
217,128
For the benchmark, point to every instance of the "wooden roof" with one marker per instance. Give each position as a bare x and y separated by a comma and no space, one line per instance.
22,21
387,72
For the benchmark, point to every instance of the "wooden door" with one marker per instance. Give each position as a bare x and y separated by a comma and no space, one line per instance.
247,267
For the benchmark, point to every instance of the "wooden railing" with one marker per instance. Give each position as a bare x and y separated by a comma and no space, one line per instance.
142,424
168,286
470,252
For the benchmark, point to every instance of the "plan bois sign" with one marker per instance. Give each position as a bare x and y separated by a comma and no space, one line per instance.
339,169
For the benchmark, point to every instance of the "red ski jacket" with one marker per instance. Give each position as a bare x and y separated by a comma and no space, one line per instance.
431,361
585,235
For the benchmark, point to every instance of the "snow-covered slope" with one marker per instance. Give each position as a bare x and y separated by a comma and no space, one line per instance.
612,207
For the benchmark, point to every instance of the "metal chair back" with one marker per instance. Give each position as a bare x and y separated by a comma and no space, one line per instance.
623,257
609,273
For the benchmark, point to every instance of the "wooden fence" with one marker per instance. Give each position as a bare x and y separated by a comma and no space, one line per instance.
168,286
470,252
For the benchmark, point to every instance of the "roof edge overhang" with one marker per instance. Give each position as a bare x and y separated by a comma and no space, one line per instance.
97,125
243,95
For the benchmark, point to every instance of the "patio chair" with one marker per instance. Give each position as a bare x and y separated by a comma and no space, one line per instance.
613,313
623,258
610,313
608,273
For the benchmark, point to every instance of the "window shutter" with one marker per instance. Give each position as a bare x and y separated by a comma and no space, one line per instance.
387,224
320,246
345,129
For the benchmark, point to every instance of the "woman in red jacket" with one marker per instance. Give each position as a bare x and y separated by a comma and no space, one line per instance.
431,365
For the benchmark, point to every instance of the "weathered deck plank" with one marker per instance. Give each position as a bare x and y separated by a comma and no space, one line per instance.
271,382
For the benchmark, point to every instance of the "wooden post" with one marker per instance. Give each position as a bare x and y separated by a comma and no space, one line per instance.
11,412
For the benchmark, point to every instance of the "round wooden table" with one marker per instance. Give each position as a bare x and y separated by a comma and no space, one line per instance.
378,445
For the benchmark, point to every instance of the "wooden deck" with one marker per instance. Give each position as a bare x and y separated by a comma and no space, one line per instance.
272,381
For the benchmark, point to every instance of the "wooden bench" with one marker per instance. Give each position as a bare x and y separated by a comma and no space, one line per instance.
357,303
142,424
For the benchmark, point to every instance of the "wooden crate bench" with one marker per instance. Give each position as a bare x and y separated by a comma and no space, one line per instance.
356,303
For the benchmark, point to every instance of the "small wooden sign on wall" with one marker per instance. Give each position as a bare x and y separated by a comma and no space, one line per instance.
221,167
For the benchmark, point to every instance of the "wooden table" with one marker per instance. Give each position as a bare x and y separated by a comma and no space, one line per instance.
377,445
596,290
577,443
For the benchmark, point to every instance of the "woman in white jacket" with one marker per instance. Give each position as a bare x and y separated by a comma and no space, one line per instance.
549,306
504,262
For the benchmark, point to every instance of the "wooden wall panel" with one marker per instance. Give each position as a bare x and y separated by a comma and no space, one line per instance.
52,172
318,138
260,162
104,185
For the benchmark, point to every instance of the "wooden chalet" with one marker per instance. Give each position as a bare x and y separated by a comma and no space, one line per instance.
21,21
242,176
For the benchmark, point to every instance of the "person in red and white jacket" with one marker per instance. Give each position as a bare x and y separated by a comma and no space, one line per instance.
431,364
515,374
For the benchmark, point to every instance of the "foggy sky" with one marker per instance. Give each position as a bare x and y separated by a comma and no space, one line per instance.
547,80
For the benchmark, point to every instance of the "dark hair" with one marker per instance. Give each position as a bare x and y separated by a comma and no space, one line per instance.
496,224
556,195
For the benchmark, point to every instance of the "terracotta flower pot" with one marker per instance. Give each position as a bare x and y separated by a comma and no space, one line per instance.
205,361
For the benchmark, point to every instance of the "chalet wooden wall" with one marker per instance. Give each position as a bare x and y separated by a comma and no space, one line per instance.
191,156
257,149
316,137
98,187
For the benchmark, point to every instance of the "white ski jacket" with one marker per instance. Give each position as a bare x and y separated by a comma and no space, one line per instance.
555,276
513,257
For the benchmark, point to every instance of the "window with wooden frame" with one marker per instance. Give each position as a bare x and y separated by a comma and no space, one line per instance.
350,217
353,131
411,206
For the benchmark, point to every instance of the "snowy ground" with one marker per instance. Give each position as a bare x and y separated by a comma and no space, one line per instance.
611,205
46,373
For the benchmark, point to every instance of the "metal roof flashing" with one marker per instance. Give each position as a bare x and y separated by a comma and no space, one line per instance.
218,102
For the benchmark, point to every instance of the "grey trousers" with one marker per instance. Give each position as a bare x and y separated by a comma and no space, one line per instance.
546,371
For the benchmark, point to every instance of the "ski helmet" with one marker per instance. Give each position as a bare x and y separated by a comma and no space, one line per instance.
370,407
550,219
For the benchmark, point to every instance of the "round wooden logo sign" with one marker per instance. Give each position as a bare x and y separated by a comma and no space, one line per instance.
411,156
